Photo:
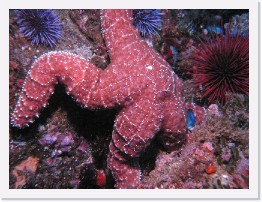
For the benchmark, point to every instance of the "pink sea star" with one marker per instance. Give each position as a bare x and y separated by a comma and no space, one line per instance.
138,80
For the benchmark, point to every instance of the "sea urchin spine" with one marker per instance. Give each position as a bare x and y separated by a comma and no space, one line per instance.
40,26
221,65
147,21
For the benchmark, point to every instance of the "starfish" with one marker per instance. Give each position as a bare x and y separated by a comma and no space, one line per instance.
138,81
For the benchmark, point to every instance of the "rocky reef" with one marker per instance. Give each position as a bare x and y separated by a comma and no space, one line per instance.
68,145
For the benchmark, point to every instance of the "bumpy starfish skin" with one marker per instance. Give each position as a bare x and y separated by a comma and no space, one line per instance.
138,80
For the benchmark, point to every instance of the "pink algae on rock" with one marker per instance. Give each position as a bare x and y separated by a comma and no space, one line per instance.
23,170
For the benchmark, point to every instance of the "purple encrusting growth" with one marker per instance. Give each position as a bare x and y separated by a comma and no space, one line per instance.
148,21
40,26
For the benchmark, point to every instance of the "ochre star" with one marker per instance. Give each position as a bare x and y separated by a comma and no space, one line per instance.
138,80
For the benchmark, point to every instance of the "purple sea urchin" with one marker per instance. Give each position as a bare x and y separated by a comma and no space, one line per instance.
221,65
147,21
40,26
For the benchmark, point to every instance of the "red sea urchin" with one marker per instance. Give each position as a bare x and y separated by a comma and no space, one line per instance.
221,65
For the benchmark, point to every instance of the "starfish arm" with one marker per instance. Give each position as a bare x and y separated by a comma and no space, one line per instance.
77,74
127,174
113,20
136,125
134,128
174,122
